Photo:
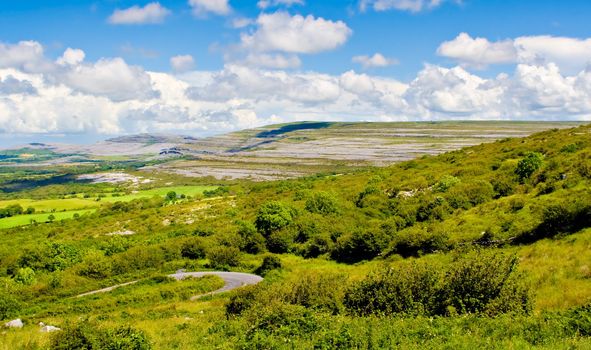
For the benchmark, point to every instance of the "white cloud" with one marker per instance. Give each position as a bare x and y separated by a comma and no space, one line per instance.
109,96
182,63
478,52
401,5
570,54
376,60
26,55
111,78
151,13
71,57
241,22
203,7
264,4
276,61
11,85
295,34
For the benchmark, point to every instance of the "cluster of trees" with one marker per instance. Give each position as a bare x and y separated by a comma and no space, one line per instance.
15,209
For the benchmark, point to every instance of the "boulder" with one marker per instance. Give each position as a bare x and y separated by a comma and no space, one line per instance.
48,329
18,323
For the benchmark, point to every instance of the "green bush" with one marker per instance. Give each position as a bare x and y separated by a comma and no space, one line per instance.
273,216
84,336
529,165
252,241
9,305
223,257
359,245
25,276
193,248
416,241
270,262
322,203
95,265
481,283
445,183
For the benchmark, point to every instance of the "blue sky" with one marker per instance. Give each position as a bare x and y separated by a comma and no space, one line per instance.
412,38
292,60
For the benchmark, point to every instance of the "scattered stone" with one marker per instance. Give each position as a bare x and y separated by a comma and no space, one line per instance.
48,329
166,222
41,324
18,323
121,233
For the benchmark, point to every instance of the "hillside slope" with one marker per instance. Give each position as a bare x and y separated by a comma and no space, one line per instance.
486,246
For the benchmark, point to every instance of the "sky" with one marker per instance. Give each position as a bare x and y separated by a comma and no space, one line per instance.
82,71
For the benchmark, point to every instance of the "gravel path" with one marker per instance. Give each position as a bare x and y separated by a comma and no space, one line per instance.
232,281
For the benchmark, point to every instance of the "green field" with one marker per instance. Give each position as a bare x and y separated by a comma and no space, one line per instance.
22,220
160,191
49,205
67,207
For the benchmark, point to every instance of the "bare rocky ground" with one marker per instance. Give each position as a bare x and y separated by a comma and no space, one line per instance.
292,150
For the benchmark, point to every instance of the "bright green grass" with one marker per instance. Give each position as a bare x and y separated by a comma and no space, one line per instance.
22,220
160,191
58,205
47,205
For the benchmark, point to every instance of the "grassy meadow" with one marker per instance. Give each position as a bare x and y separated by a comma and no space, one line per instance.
484,247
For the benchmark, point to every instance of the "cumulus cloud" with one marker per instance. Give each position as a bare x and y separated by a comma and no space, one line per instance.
478,52
109,96
296,34
570,54
401,5
27,55
10,85
218,7
112,78
277,61
182,63
264,4
376,60
151,13
71,57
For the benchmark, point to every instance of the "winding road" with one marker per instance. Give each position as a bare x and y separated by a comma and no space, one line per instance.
232,280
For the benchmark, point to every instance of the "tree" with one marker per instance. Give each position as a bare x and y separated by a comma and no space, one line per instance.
528,165
322,203
51,217
273,216
171,196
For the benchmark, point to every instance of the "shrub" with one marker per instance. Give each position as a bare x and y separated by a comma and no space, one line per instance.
9,305
273,216
83,336
484,283
317,246
359,245
223,257
280,241
445,183
563,218
416,241
529,165
481,283
270,262
50,257
322,203
95,265
252,241
193,248
25,276
413,289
